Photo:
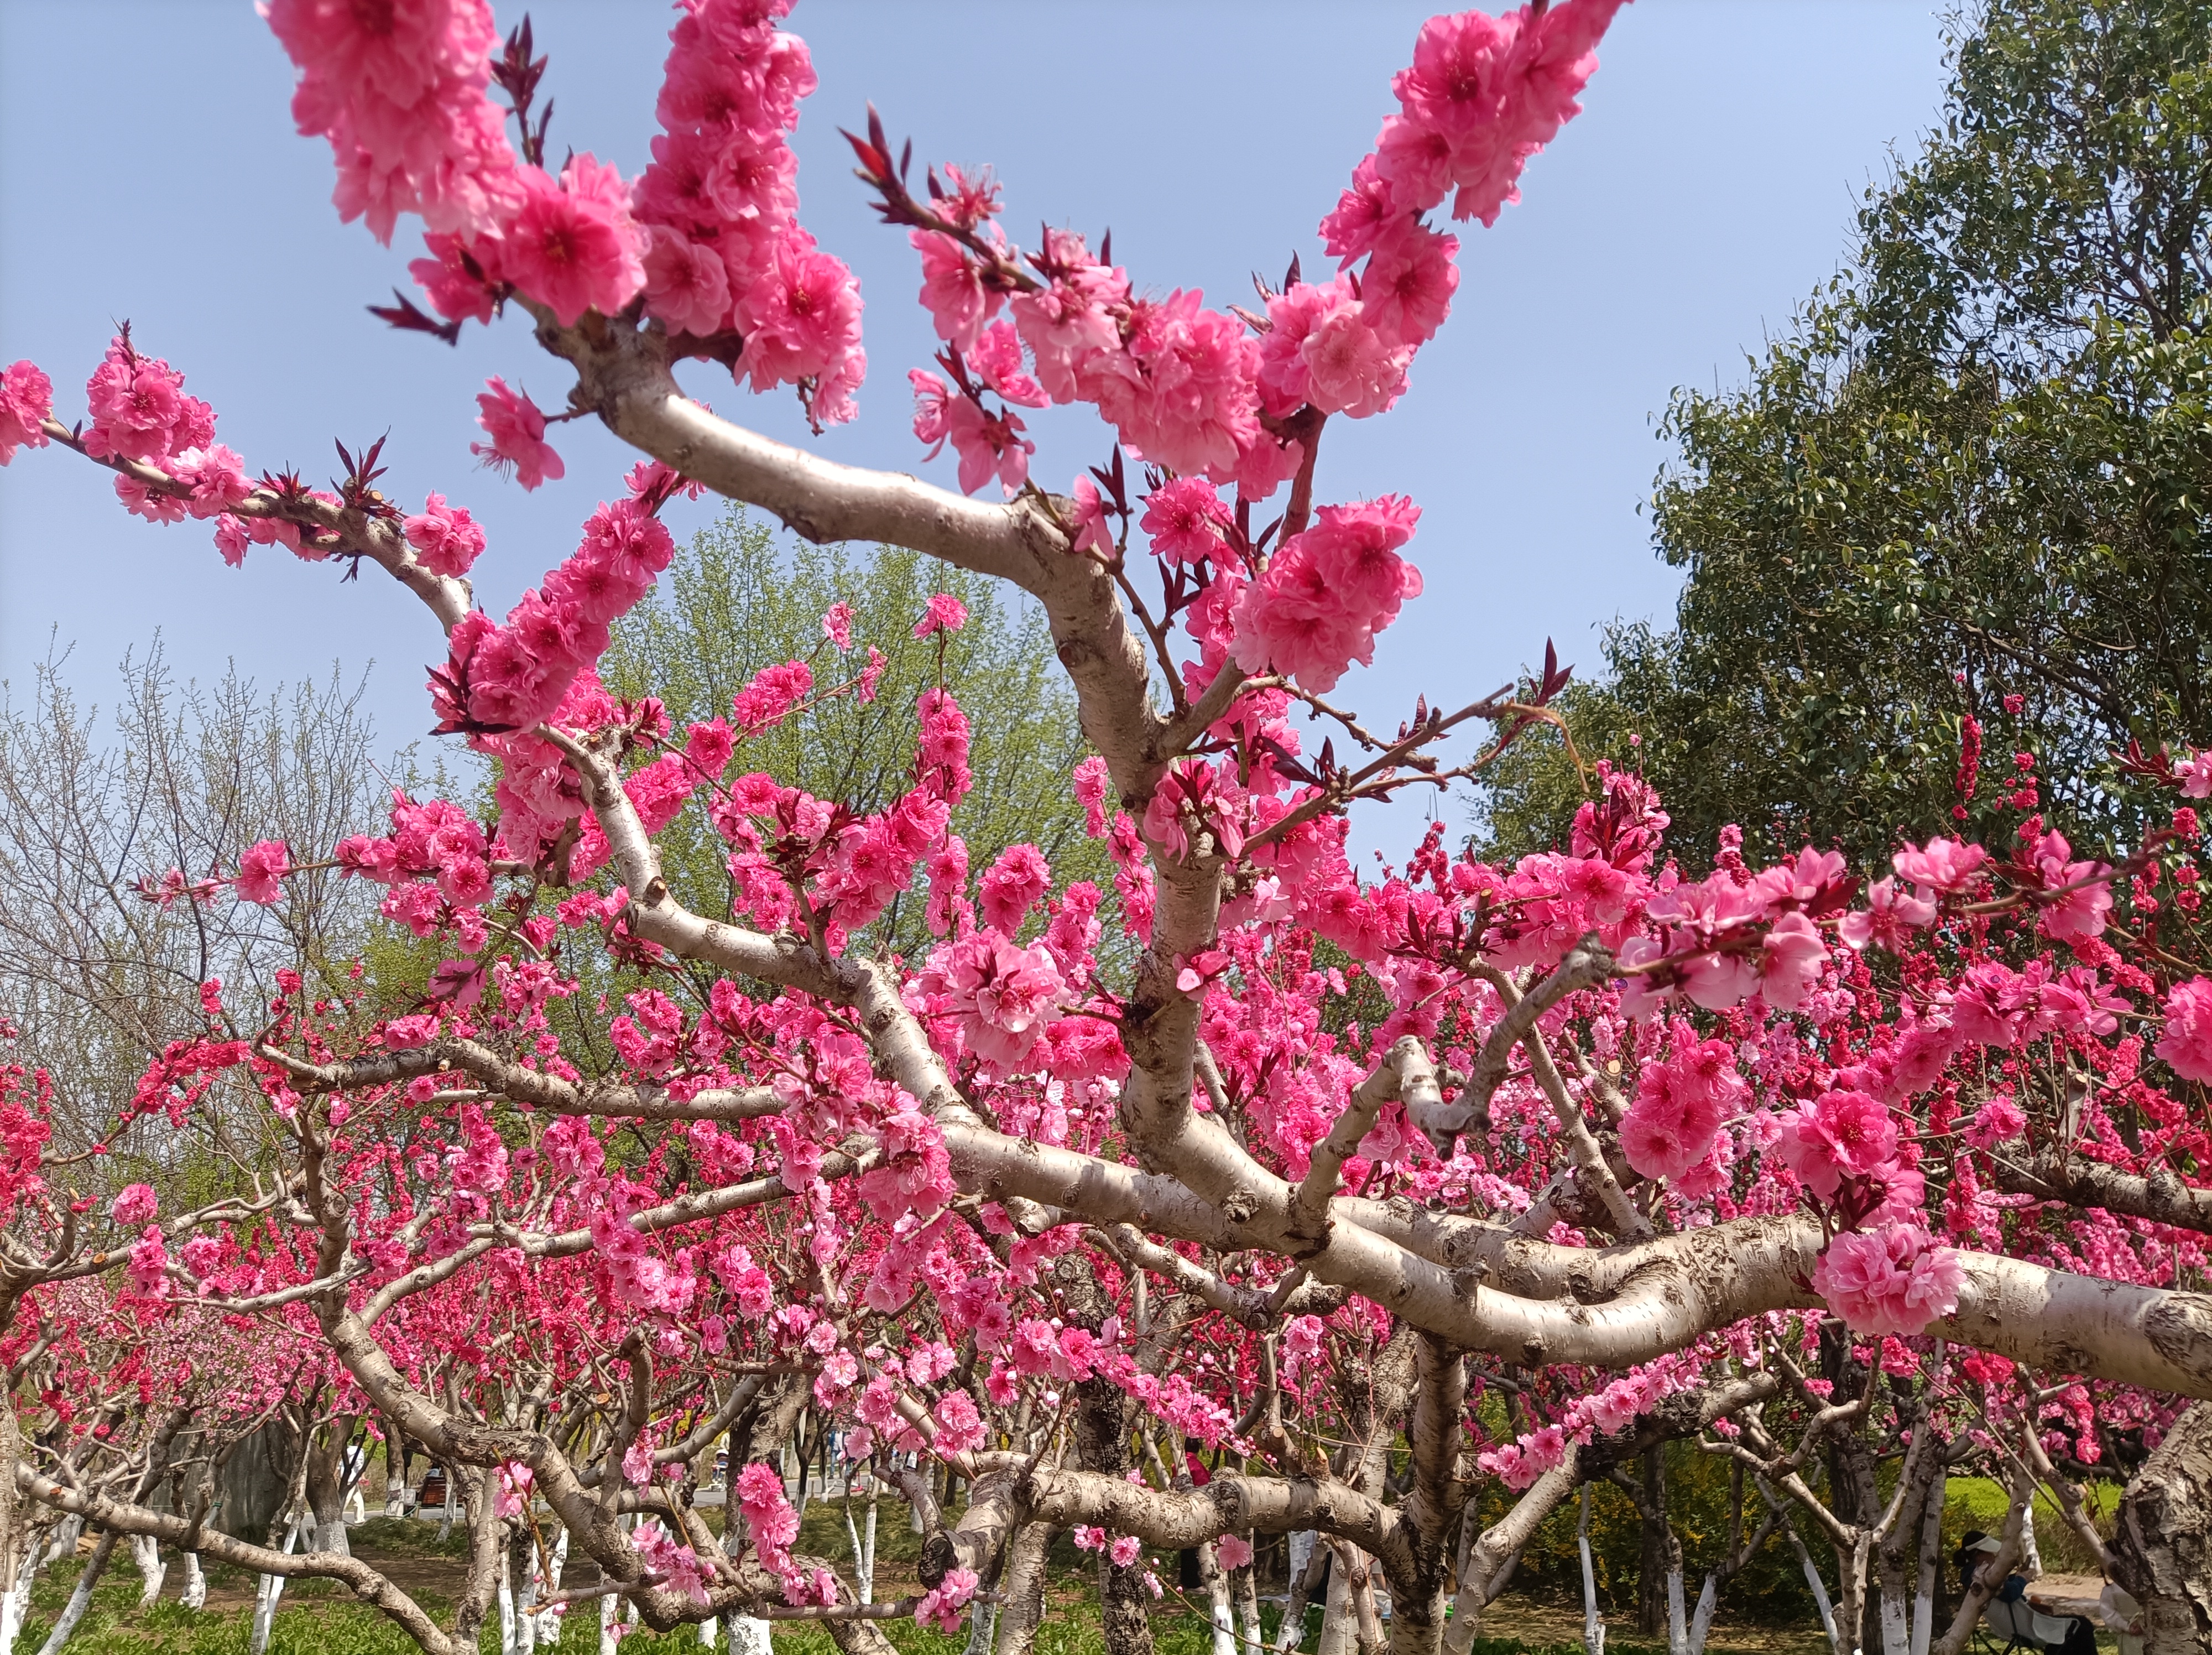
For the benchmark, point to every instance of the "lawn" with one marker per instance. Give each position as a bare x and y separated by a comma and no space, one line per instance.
321,1617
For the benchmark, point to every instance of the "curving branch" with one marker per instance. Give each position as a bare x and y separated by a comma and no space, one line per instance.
2161,1196
191,1536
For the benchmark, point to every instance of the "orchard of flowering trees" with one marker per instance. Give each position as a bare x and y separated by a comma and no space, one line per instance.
1409,1199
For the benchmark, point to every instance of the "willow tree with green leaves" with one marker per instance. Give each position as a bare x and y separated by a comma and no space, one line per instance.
1969,484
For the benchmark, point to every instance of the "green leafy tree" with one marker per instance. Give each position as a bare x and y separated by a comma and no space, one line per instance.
1972,481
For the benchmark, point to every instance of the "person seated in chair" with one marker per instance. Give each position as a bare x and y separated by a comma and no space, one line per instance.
2070,1634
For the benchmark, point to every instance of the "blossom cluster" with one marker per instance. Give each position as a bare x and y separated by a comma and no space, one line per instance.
402,92
719,206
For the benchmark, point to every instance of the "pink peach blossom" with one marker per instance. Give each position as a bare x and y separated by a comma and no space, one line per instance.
261,872
27,398
516,426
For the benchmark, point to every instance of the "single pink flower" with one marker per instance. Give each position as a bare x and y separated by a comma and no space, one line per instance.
1998,1121
446,538
959,1426
1840,1134
801,318
685,284
1011,884
1187,520
952,289
1093,534
1406,290
134,1209
261,872
1893,1280
1790,956
2185,1046
573,247
944,613
516,426
27,398
997,357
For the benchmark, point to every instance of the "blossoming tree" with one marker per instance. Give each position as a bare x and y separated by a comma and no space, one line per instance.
1383,1193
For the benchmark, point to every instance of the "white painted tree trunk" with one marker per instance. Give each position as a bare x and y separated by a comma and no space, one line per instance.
2031,1559
80,1599
1246,1586
271,1588
1678,1635
863,1548
194,1595
506,1595
64,1540
1223,1606
1931,1564
548,1620
610,1607
12,1605
16,1606
868,1547
1896,1626
1820,1592
709,1630
1593,1622
1340,1616
983,1626
748,1636
146,1552
1701,1623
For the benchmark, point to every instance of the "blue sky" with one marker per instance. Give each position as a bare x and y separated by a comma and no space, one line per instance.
148,170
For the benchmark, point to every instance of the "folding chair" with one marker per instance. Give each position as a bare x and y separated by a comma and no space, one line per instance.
1998,1633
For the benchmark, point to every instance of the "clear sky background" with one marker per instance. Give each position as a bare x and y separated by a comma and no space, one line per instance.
148,170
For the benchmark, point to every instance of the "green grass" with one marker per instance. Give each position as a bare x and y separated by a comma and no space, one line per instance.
317,1619
320,1617
1980,1503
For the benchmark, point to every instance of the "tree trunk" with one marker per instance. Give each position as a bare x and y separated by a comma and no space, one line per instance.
2162,1551
194,1595
548,1620
851,1637
11,1449
326,1485
146,1552
1931,1564
17,1604
270,1588
1339,1616
1102,1443
1894,1550
1220,1611
1244,1583
1651,1569
252,1481
1309,1560
398,1452
486,1550
1022,1613
80,1599
1592,1621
